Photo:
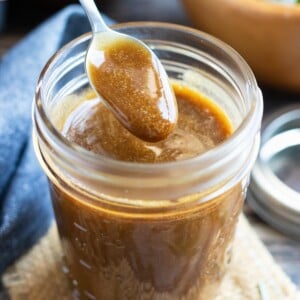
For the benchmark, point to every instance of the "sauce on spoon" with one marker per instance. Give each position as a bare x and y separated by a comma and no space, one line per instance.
134,84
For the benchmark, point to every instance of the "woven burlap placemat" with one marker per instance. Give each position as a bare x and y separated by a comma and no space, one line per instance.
253,274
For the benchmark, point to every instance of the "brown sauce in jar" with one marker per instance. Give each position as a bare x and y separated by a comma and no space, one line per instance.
158,256
130,81
201,126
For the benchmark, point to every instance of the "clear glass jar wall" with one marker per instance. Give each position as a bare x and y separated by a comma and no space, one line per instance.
160,231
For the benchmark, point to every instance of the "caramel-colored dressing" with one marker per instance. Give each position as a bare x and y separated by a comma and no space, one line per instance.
125,75
170,255
201,126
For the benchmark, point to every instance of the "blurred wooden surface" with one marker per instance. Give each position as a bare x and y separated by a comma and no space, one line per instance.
285,250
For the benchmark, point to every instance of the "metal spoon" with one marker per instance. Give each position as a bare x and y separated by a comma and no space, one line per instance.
130,79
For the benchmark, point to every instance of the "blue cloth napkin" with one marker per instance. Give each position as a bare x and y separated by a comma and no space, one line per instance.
25,207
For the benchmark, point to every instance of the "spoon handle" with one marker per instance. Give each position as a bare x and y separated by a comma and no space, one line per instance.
95,18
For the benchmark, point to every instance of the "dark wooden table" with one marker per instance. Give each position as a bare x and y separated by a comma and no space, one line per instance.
285,250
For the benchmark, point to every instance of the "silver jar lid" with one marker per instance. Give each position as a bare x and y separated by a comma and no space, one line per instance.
274,192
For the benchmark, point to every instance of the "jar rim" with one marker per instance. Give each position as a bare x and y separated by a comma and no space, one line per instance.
251,122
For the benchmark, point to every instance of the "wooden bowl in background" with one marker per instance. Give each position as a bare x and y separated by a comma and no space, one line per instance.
266,34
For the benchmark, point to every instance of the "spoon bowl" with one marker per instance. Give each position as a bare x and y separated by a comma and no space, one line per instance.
130,79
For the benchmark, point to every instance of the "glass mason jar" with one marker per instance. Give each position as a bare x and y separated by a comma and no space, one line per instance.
150,231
